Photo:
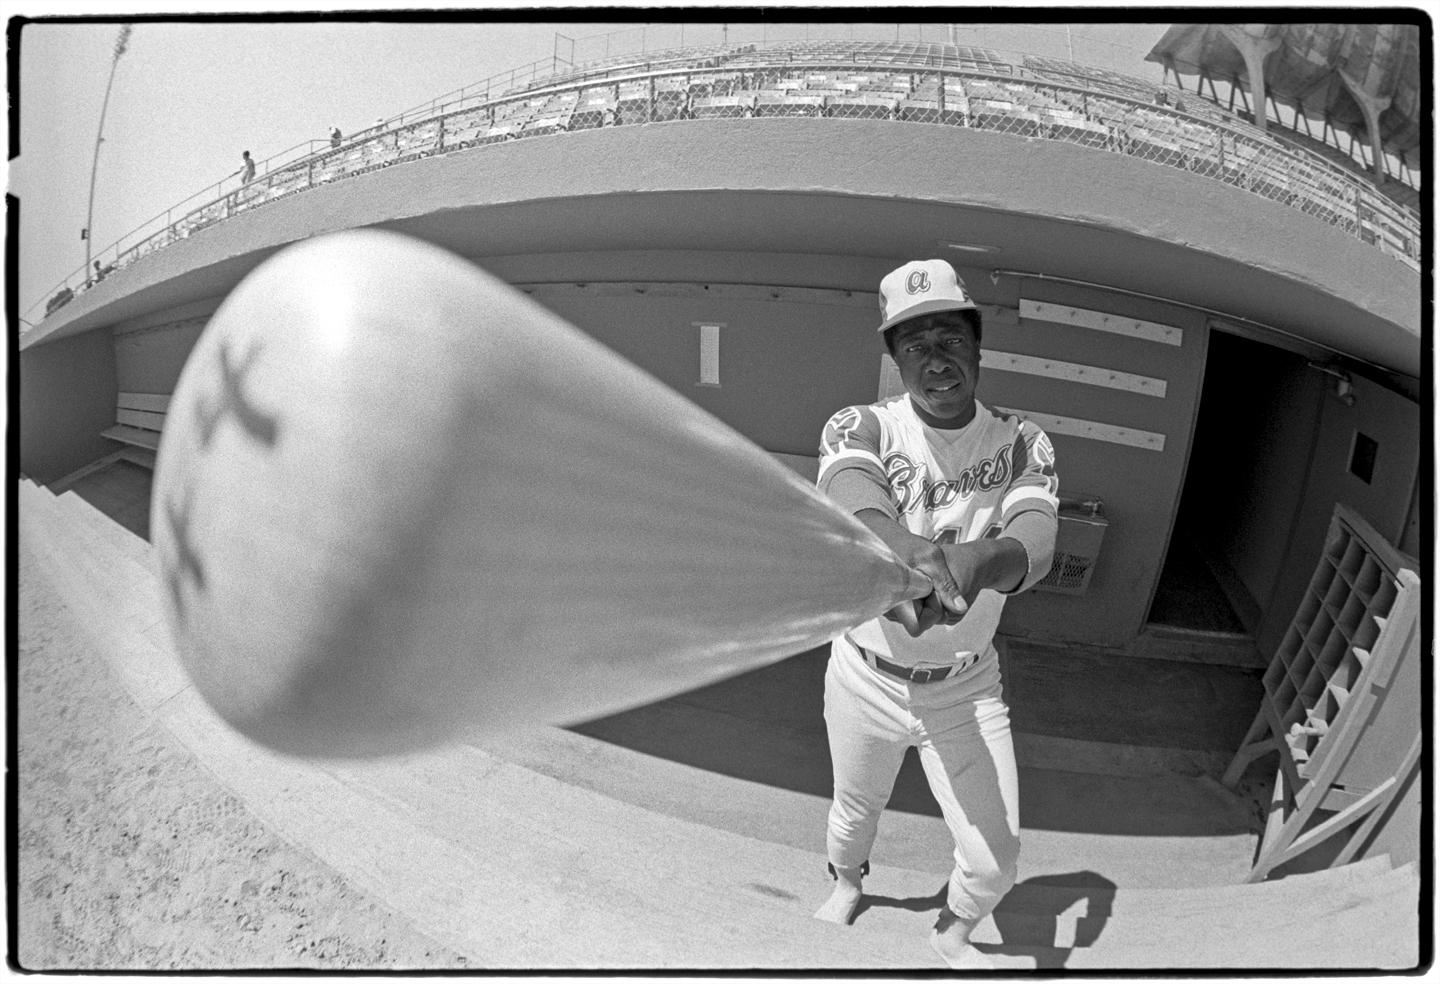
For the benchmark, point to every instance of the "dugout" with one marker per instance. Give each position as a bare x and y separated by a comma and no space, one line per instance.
1180,337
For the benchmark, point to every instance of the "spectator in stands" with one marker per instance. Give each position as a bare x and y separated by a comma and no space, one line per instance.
334,136
247,172
1162,98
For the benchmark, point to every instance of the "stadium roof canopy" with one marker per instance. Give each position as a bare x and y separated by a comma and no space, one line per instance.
1316,68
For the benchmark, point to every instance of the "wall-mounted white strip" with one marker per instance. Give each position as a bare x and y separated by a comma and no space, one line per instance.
866,300
709,353
1072,372
1064,314
890,384
1094,430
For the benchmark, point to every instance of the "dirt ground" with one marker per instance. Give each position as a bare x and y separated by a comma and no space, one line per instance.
132,857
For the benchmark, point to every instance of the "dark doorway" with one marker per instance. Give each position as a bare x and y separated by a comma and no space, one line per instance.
1256,424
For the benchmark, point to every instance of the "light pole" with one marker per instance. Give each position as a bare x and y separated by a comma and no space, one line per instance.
120,43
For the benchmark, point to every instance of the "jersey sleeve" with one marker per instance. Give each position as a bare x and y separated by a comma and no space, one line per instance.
851,473
1033,482
1028,512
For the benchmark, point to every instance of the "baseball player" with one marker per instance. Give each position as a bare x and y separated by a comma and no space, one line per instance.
968,496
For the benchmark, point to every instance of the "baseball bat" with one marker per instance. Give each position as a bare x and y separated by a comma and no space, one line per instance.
398,503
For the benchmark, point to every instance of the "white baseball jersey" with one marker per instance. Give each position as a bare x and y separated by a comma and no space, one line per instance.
949,486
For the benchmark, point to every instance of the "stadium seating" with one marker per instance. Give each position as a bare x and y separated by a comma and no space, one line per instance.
462,129
416,140
545,125
917,82
672,100
929,111
868,106
593,109
788,103
732,106
633,101
500,132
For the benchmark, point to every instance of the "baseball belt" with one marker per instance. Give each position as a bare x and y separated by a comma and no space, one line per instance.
915,674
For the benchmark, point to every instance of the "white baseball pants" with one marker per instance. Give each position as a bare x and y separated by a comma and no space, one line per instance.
961,728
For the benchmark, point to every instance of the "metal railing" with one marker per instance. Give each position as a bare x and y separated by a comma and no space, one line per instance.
162,226
699,84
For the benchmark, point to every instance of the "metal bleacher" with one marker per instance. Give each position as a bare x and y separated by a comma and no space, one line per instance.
732,106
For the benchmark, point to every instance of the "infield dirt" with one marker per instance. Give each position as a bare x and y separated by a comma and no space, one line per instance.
133,857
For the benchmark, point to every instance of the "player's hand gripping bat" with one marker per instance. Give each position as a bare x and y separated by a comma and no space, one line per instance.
397,502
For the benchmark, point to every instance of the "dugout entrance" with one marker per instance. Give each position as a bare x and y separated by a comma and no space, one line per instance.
1284,431
1232,466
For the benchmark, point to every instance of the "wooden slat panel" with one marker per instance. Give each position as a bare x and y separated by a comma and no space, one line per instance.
1072,372
153,402
134,435
140,418
1065,314
1092,429
890,385
139,456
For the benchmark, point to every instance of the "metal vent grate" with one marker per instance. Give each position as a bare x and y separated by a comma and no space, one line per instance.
1077,546
1069,572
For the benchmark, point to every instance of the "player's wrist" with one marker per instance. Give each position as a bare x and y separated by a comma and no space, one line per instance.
999,564
1017,562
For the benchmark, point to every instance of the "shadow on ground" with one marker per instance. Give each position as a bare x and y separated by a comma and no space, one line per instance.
768,727
121,491
1044,918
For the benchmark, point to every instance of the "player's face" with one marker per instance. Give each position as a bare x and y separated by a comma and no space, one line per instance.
939,363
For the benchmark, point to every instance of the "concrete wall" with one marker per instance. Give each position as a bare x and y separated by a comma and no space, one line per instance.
1139,485
67,397
151,351
1385,501
1410,542
789,358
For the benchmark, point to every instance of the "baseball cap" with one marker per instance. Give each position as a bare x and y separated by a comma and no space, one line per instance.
921,287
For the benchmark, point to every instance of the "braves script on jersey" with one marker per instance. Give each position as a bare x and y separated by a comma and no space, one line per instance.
949,486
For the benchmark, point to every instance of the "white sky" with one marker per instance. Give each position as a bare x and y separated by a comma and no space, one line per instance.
194,90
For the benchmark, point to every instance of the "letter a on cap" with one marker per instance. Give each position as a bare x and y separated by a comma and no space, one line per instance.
918,282
921,287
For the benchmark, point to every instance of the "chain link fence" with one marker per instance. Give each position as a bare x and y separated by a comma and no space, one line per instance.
915,82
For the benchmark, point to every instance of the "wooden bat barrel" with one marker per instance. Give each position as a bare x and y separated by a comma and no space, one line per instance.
397,503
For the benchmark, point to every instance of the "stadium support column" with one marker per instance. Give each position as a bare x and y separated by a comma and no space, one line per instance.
1372,106
1254,50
